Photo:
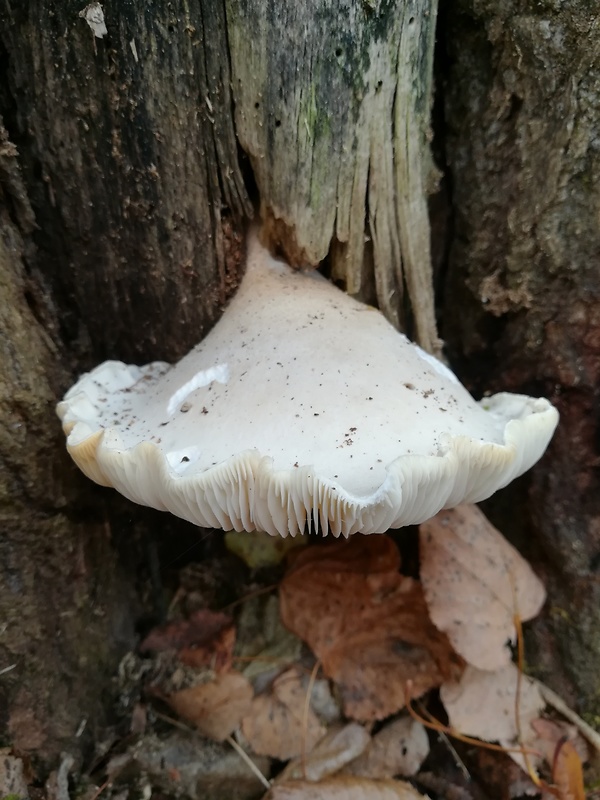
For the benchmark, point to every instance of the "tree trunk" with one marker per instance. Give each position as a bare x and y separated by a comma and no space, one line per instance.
522,100
123,204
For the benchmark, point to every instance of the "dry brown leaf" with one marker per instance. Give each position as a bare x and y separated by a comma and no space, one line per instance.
216,707
503,777
344,788
275,724
207,638
550,733
339,747
482,704
567,772
565,751
368,625
474,583
399,748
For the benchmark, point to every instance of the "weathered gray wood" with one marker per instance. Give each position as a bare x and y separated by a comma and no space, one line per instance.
332,104
522,309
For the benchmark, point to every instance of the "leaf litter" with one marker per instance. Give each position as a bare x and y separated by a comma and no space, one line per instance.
366,623
482,704
215,707
399,748
313,677
278,723
339,747
205,639
344,788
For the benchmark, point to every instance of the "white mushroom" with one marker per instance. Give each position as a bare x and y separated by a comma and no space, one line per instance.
303,409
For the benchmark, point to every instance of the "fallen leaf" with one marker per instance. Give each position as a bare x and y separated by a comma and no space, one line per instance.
207,638
339,747
567,772
216,707
565,751
482,704
344,788
276,724
258,549
366,623
475,582
550,733
263,645
399,748
323,702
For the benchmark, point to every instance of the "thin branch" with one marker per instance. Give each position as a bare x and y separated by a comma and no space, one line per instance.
248,761
558,704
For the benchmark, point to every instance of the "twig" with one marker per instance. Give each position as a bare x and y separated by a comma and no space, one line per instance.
174,722
457,759
558,704
309,689
100,789
230,740
248,761
249,596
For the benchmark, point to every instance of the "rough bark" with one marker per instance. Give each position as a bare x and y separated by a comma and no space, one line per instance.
522,306
66,611
121,208
131,161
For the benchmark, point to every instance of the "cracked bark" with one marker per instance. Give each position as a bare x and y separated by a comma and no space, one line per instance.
522,103
121,208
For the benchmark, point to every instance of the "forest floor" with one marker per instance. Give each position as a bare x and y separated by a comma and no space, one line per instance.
384,667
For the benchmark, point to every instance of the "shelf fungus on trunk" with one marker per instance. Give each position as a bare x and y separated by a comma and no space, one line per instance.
302,410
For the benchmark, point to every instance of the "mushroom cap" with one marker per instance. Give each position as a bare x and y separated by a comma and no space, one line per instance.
303,409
